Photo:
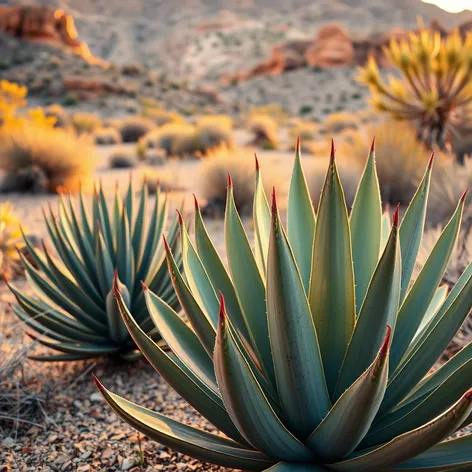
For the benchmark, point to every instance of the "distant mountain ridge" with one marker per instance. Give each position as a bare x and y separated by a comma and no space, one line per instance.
198,40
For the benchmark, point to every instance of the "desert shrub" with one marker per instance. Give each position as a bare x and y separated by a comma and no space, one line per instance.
215,179
305,129
448,182
173,138
44,159
349,172
162,117
106,136
338,122
273,110
214,131
60,115
122,158
10,240
85,122
135,127
401,160
265,132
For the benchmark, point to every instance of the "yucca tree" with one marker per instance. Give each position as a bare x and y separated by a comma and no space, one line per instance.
434,87
316,355
73,308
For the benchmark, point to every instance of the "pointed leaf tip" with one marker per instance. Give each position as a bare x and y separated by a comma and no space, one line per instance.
331,157
98,383
431,159
222,310
143,286
274,201
372,146
464,195
230,182
166,244
181,220
395,216
298,144
257,162
468,394
386,343
197,207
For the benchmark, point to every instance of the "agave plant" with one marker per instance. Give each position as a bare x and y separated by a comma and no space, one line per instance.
317,353
74,309
434,89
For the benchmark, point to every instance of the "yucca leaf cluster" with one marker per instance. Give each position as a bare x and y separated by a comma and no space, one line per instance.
312,352
73,309
434,85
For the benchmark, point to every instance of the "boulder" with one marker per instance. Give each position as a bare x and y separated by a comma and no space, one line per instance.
42,24
331,47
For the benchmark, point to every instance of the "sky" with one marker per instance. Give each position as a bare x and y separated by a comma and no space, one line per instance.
452,5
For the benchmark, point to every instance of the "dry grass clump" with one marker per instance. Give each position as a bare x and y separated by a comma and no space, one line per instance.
19,405
57,112
265,132
214,131
39,159
272,110
135,127
85,122
10,241
448,182
349,172
107,136
305,129
162,117
401,159
172,138
122,158
338,122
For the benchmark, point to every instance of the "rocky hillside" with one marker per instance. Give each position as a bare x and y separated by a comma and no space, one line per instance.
199,40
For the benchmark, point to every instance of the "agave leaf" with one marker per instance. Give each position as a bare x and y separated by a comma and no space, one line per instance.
185,439
125,254
246,403
422,292
378,310
104,219
200,322
181,340
44,288
437,401
116,328
218,275
452,453
435,379
411,229
261,222
430,346
409,444
139,226
248,282
297,358
296,467
351,417
386,229
438,299
331,293
74,292
197,278
104,264
300,220
182,380
61,357
366,228
78,349
85,218
129,203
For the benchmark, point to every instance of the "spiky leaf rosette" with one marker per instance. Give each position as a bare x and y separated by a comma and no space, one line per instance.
73,309
313,352
434,89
